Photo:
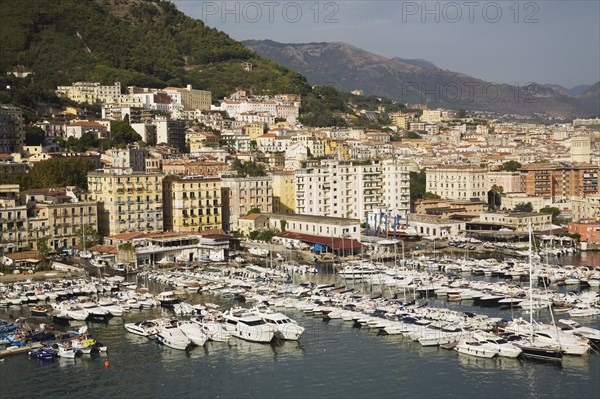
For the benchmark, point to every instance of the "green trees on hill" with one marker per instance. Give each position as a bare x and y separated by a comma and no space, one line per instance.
55,172
139,43
249,169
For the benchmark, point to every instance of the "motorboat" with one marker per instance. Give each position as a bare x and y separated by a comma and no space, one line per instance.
38,311
44,353
112,308
95,311
145,328
66,350
193,331
502,347
475,348
169,334
286,328
168,299
213,329
248,326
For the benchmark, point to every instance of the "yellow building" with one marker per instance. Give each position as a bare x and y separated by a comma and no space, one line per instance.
198,141
253,130
64,222
400,120
337,148
127,202
192,204
284,192
45,215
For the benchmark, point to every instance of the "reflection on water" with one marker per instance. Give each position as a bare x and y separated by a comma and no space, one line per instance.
496,363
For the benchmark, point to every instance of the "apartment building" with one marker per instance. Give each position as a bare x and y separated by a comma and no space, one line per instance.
192,99
12,133
431,116
587,207
395,177
352,189
284,193
192,204
90,92
170,131
519,221
589,229
132,157
559,181
54,216
239,195
458,182
127,201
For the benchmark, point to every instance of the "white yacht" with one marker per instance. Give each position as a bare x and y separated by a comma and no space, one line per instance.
112,308
474,348
145,328
94,310
286,328
248,326
213,329
172,336
193,331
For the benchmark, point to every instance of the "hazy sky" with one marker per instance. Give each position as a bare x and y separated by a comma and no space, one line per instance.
499,41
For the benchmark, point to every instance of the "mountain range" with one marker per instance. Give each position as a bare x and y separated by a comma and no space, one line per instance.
419,81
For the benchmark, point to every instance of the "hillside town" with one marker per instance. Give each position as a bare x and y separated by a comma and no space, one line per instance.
198,174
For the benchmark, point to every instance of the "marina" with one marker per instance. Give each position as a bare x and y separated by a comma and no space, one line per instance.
359,328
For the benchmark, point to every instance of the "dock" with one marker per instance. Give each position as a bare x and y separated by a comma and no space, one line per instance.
16,351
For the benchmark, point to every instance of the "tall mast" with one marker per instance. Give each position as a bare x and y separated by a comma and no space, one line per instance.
530,282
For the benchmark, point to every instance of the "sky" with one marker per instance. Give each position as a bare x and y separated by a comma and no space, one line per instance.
514,42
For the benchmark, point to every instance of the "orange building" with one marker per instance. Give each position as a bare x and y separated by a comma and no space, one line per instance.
559,181
589,229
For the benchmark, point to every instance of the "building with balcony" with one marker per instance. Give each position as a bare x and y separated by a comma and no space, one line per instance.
192,204
518,221
560,181
12,133
349,189
127,201
458,182
284,193
240,195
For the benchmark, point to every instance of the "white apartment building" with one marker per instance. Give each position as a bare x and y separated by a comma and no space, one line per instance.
352,189
396,186
458,182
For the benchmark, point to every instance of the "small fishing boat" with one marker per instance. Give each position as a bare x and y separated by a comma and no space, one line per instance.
39,311
44,353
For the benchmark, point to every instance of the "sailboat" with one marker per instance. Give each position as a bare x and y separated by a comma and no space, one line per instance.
85,254
535,348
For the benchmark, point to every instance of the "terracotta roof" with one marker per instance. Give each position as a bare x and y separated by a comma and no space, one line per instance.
106,249
86,123
23,255
127,236
331,242
252,216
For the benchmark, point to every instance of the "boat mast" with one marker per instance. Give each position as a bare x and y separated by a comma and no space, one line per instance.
530,283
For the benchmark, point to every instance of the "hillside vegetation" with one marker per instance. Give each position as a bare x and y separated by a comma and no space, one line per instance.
136,42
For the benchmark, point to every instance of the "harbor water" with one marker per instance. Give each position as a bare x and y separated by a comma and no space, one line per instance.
332,359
